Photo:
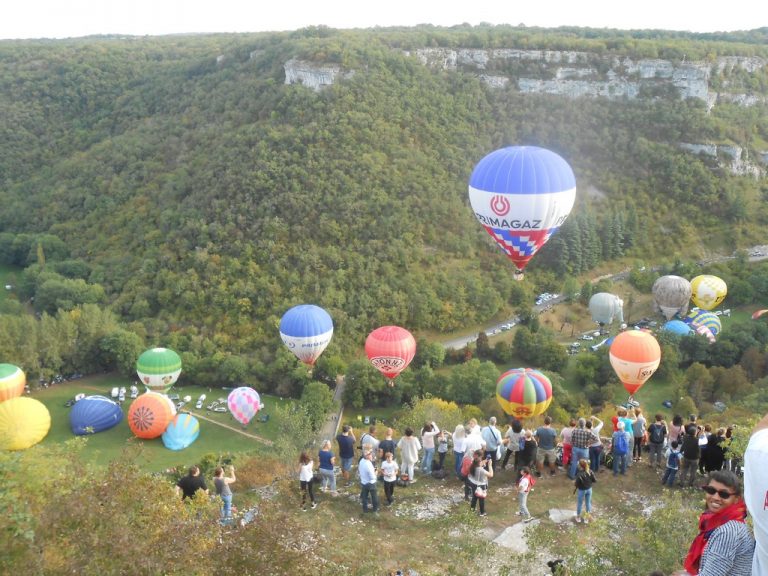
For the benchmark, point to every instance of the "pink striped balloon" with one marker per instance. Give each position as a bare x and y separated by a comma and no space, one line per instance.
244,402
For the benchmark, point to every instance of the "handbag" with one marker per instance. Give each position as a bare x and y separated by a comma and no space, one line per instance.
481,492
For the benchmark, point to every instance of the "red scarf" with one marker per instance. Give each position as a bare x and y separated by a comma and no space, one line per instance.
708,521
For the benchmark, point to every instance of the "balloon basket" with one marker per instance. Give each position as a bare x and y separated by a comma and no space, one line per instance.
518,275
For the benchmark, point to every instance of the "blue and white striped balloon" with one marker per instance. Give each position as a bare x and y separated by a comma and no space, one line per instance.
306,330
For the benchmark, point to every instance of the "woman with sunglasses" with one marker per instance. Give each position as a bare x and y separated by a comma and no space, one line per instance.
724,544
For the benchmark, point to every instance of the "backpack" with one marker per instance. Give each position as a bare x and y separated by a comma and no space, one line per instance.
583,480
657,434
439,473
466,464
674,459
620,445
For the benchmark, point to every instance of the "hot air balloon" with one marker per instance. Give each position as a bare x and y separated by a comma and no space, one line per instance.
181,432
759,313
158,369
23,423
604,307
150,414
708,291
677,327
390,349
94,414
704,331
306,330
523,392
521,195
12,382
635,356
671,294
711,320
244,402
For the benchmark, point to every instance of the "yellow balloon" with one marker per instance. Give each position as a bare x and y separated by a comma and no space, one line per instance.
23,423
708,291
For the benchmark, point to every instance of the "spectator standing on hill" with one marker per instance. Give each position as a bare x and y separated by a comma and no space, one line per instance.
514,438
370,439
428,433
474,440
546,436
620,449
442,448
596,447
756,492
459,447
388,444
346,441
188,485
565,440
492,438
306,473
672,457
639,425
527,456
676,430
223,491
583,482
326,468
703,433
524,487
389,471
657,433
368,482
479,473
690,451
581,439
714,457
409,447
624,417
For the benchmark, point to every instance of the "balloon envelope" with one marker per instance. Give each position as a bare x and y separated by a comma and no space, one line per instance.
181,432
94,414
150,414
604,307
671,294
306,330
521,195
677,327
12,382
390,349
158,368
711,320
244,402
759,313
23,423
708,291
523,392
635,356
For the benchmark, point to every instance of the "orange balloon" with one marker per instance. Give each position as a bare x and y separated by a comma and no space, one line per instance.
635,355
12,382
150,414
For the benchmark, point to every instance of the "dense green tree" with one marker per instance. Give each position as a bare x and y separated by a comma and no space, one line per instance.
317,401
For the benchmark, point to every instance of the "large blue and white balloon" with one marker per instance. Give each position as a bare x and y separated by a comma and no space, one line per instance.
521,195
94,414
181,432
306,330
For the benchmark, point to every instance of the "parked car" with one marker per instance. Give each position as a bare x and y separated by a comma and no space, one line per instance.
199,403
134,392
115,392
587,337
667,403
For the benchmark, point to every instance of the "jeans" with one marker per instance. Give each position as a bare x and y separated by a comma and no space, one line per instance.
475,498
226,511
669,477
619,464
638,447
369,489
306,488
576,455
585,497
329,479
458,457
594,457
688,470
426,460
522,498
656,450
389,490
441,459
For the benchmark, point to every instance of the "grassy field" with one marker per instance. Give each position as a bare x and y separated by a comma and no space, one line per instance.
220,434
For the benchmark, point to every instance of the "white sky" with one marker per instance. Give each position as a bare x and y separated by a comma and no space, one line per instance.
74,18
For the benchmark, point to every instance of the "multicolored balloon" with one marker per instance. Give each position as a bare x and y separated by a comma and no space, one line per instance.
677,327
390,350
708,291
521,195
94,414
759,313
244,403
605,307
704,331
150,414
23,423
181,432
524,392
306,330
711,320
671,295
635,355
158,369
12,382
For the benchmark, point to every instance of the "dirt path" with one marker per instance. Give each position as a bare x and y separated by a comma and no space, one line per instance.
228,427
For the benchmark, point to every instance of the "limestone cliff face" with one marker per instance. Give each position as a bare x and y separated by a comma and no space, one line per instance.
315,76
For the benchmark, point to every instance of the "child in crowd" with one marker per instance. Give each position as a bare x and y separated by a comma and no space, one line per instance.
524,487
672,457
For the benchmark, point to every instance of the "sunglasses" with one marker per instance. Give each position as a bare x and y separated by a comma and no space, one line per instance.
724,494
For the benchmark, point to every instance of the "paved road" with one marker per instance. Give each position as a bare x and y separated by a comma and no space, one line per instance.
330,428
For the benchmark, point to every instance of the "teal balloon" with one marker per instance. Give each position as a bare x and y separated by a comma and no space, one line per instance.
181,432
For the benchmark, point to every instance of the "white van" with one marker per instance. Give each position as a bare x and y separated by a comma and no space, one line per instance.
115,392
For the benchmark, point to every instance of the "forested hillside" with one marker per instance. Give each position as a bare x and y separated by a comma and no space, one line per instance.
179,182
